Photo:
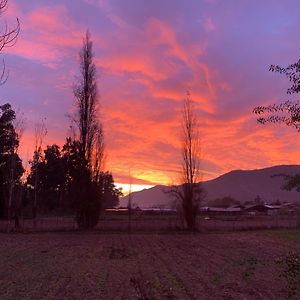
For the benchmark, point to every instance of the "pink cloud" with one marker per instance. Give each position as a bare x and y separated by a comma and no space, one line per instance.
146,61
209,24
47,34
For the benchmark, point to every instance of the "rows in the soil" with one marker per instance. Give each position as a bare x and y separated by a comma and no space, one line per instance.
136,273
253,263
160,282
244,273
139,266
22,269
48,268
121,263
191,268
217,270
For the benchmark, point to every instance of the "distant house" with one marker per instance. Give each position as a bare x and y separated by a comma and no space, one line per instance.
158,210
289,208
254,209
262,209
221,210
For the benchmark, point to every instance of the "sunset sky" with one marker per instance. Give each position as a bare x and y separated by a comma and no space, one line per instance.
148,54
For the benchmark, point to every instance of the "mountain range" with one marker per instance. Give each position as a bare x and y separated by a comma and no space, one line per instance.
242,185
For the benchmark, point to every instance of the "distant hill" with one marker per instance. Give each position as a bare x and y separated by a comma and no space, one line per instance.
242,185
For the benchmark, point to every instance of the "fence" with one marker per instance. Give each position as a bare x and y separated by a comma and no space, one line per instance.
165,223
262,222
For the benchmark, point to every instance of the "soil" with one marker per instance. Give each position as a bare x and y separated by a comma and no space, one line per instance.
237,265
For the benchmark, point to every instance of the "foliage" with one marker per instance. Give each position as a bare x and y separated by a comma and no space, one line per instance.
88,148
287,112
9,161
6,180
86,198
292,182
11,168
64,180
292,72
291,117
8,135
291,272
51,179
110,193
83,194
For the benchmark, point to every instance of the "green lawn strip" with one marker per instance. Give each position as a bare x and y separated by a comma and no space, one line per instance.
292,235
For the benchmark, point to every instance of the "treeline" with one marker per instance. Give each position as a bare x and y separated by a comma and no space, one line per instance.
54,175
65,180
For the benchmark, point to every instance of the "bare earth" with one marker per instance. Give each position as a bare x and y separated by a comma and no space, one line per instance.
240,265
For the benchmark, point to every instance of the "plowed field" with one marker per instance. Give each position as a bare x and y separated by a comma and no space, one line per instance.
240,265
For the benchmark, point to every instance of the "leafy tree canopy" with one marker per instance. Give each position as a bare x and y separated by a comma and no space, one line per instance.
8,137
11,169
287,112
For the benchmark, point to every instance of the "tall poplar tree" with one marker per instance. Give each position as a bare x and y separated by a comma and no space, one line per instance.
90,144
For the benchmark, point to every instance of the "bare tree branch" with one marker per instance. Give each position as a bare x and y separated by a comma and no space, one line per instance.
8,38
40,133
90,138
287,112
86,96
99,155
190,192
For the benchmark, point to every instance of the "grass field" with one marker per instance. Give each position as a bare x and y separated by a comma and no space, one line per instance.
239,265
291,235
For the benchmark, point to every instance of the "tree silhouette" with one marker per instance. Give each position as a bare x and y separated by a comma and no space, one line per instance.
40,133
8,38
16,168
104,188
89,148
287,112
11,168
190,192
86,95
51,179
110,192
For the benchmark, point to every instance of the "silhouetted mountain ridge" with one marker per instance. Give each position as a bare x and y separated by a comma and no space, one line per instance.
242,185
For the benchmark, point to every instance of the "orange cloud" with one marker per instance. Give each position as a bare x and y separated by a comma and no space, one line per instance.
146,63
45,32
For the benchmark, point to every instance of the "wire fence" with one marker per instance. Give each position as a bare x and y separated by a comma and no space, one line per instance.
153,223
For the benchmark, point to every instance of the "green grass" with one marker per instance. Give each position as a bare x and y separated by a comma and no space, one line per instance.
286,234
